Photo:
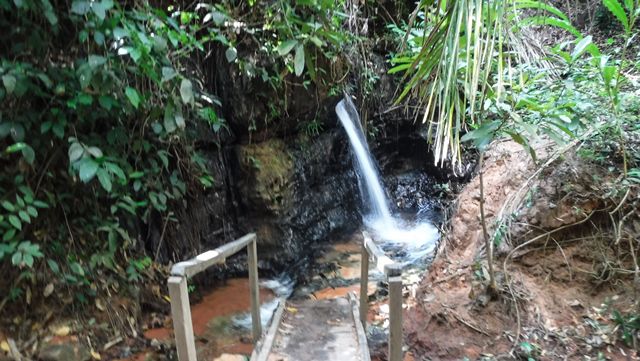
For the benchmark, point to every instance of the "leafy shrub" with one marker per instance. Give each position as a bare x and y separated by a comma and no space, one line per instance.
97,106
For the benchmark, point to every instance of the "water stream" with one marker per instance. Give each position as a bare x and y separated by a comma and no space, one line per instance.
415,238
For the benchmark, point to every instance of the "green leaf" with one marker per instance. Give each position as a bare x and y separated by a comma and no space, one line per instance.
530,4
76,150
311,66
105,179
231,54
482,136
120,33
49,13
24,216
136,175
581,47
98,37
133,96
186,91
8,235
45,80
76,268
88,169
168,73
53,265
547,20
28,154
616,9
9,82
96,61
169,119
99,9
179,119
16,260
298,60
116,170
80,7
32,211
17,147
95,152
8,206
107,102
85,99
314,39
40,204
285,47
15,222
217,17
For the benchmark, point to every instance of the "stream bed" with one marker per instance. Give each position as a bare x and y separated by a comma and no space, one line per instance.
221,320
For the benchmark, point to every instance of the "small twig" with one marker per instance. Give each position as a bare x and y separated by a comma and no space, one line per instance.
622,201
471,326
164,228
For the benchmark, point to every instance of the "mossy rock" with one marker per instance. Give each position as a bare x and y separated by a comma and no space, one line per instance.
270,169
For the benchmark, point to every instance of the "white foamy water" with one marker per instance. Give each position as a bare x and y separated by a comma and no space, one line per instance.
282,287
414,240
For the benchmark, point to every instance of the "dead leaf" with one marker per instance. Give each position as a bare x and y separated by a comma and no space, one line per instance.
95,355
48,290
100,305
62,331
4,346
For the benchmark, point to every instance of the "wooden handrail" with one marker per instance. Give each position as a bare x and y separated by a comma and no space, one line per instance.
393,273
180,307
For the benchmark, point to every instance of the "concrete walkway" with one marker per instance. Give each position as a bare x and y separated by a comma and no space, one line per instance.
318,330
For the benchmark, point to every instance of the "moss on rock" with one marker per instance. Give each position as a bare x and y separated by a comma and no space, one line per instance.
269,167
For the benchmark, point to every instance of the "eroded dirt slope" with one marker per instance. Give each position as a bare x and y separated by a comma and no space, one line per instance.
568,265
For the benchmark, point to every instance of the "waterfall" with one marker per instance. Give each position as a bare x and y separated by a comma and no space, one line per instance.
416,240
377,200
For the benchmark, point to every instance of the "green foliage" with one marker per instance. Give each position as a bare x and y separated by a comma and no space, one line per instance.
456,65
628,325
97,121
101,106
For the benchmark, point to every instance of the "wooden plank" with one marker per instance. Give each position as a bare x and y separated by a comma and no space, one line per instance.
256,323
395,318
263,348
364,285
209,258
181,314
360,329
381,259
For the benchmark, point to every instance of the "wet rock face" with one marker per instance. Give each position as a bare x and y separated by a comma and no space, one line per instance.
267,176
296,194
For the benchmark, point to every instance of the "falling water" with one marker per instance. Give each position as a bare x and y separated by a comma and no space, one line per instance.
351,122
417,240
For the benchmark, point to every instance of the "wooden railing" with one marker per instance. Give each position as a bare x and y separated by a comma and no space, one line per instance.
180,307
393,274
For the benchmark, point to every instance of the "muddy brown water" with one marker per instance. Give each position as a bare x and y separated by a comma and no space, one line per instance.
212,319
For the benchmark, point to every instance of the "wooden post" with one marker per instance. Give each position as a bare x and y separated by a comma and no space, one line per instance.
181,313
394,274
256,322
364,285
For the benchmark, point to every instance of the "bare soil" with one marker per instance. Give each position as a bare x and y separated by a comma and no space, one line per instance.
565,271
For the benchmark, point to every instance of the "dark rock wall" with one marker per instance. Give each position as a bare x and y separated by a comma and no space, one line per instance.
293,185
